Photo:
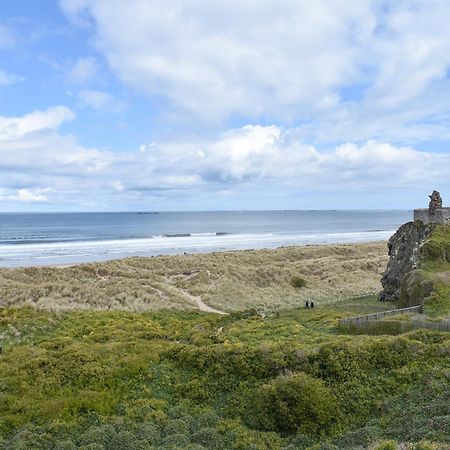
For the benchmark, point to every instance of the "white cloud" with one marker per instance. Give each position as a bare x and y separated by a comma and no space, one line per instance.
23,195
16,128
233,57
344,69
40,164
83,70
100,100
8,78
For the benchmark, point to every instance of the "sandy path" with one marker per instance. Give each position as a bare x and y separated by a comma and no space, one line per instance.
200,304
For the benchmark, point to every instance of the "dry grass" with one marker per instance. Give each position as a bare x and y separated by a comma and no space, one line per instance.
228,281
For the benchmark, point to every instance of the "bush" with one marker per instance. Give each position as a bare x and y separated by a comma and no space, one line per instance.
362,436
176,440
208,437
298,282
424,445
296,403
386,445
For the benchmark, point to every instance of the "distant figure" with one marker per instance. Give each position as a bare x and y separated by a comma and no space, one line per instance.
435,202
312,304
307,304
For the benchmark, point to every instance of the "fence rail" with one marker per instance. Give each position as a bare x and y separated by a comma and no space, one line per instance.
380,315
371,321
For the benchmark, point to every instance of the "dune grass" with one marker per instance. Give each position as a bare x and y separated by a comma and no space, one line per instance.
228,281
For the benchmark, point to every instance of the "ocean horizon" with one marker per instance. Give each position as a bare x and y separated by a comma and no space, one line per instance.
28,239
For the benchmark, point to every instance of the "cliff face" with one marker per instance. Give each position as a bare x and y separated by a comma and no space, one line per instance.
405,258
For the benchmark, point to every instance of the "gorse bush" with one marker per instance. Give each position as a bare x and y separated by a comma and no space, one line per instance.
296,403
168,380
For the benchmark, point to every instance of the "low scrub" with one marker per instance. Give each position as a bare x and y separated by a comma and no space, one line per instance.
169,380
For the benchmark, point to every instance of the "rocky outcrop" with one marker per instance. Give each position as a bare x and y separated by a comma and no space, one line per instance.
405,258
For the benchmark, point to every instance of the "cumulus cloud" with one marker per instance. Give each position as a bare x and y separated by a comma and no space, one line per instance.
16,128
38,163
378,67
244,57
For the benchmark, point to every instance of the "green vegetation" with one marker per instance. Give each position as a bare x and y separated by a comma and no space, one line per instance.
187,380
298,282
113,355
436,268
429,284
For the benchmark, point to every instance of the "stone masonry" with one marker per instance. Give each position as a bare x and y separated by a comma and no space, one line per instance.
435,213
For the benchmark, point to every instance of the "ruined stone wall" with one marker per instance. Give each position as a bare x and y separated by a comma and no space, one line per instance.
440,216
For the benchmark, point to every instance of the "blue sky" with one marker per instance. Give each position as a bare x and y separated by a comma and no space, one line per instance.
200,105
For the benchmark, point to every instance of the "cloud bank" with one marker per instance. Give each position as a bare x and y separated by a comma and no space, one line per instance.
342,69
39,163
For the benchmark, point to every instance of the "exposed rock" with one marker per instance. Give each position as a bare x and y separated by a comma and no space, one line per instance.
404,251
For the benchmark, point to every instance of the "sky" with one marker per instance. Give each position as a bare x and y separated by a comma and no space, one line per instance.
113,105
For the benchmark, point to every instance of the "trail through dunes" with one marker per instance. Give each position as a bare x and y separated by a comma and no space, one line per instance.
214,282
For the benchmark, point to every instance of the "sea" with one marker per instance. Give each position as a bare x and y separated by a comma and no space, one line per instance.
29,239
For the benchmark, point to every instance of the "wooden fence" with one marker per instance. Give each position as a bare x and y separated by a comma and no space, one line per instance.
379,315
374,321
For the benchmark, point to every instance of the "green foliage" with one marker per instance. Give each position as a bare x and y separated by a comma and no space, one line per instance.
298,282
187,380
416,286
387,445
438,304
296,403
436,249
424,445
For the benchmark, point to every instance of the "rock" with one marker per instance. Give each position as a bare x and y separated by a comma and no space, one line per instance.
404,251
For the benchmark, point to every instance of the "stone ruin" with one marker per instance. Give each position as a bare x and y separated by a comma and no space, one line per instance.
435,214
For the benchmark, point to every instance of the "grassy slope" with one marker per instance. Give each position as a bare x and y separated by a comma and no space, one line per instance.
436,266
230,281
166,380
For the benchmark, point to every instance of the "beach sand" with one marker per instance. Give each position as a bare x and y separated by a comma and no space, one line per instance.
226,282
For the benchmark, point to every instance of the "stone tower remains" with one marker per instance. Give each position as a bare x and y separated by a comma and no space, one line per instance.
435,212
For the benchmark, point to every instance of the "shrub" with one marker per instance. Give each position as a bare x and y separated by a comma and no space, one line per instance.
65,445
424,445
298,282
386,445
296,403
361,436
176,440
208,437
